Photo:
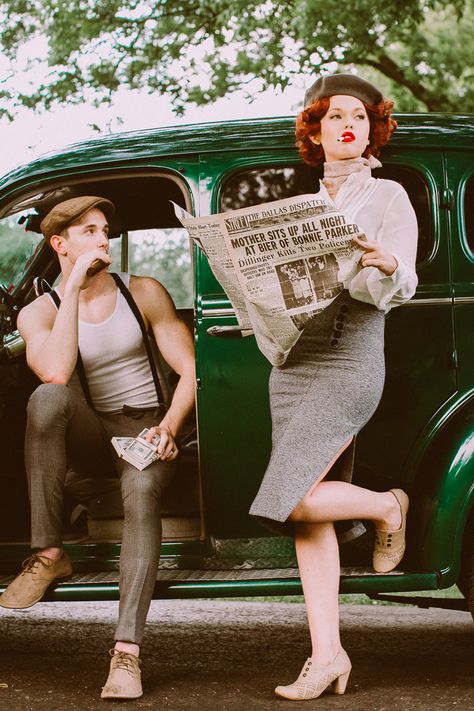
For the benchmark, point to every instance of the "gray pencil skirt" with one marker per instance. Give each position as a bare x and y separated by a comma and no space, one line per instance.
320,398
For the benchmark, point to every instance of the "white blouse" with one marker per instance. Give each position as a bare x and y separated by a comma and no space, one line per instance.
383,210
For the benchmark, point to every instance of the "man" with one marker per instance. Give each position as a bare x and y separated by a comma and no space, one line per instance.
94,320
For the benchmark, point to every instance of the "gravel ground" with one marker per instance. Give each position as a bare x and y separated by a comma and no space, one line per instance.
227,656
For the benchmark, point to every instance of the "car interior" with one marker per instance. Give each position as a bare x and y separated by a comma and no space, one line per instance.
143,228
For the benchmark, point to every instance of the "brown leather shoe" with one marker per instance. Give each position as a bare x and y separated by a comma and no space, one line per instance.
31,584
124,680
390,545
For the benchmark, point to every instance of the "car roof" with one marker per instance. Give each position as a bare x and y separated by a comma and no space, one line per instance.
425,130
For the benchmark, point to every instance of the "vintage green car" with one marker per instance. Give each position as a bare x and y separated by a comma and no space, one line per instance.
421,437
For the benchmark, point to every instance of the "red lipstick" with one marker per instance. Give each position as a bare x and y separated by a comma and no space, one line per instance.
347,137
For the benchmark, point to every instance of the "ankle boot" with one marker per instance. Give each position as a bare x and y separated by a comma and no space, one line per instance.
389,544
315,678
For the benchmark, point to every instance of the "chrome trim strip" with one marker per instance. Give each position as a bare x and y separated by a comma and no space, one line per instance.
222,313
440,301
429,302
218,313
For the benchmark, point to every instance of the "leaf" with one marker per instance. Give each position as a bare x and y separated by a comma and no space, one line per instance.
199,50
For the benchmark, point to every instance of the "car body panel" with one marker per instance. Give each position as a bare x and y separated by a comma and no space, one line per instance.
423,428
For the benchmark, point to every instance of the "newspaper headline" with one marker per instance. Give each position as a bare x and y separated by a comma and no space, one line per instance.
280,263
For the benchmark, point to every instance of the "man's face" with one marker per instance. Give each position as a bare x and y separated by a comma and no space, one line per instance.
91,231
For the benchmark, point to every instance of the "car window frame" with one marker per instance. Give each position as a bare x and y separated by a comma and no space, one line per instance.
264,165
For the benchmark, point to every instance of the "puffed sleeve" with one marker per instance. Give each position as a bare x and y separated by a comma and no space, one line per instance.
399,234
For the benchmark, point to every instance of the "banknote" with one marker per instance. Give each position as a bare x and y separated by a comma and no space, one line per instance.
121,443
136,450
142,436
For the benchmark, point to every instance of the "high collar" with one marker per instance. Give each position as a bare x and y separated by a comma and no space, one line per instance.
339,175
349,183
343,168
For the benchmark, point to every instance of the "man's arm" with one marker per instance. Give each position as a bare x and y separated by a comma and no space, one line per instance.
51,336
176,345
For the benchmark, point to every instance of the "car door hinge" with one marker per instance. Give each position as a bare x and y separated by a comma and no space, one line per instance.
446,198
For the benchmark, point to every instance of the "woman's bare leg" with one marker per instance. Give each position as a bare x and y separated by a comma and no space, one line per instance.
329,501
339,501
318,552
318,561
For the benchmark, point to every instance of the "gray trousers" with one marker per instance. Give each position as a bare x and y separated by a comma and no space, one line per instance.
63,432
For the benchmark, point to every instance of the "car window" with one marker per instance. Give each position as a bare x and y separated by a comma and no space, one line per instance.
16,247
162,253
469,214
146,238
260,185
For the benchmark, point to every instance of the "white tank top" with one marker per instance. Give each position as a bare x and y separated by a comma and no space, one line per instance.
115,360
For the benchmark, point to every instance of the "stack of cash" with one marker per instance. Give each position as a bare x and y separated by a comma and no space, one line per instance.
136,450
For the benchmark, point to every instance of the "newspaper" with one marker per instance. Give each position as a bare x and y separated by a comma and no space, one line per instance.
280,263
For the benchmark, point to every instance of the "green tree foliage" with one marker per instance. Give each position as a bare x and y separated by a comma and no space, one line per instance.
420,51
16,246
163,254
169,261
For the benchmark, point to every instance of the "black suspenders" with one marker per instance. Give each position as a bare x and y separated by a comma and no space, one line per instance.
136,312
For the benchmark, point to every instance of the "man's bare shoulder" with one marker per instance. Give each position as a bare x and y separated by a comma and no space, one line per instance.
153,299
145,288
39,311
145,283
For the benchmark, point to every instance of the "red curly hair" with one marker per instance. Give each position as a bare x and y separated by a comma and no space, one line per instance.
308,123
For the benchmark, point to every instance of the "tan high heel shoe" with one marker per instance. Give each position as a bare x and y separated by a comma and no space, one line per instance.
390,545
315,678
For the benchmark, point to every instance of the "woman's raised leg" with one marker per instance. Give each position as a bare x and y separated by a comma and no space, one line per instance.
340,501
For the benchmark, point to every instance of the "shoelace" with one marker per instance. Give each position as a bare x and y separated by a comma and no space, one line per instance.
29,563
123,660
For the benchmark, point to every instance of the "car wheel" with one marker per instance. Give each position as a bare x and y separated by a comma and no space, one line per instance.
466,579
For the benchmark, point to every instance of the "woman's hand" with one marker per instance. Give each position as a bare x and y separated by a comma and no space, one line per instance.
375,256
166,448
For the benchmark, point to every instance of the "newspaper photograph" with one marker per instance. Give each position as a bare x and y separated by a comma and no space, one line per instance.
280,264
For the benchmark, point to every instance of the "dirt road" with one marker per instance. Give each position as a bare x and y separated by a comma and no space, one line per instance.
228,656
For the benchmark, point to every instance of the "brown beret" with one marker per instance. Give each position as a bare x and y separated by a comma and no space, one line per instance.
65,213
335,84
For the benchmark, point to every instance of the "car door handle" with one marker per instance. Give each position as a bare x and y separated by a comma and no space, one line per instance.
228,331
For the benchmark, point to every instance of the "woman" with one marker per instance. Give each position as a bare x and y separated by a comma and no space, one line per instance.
332,380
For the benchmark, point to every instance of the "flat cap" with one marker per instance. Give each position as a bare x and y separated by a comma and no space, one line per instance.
335,84
68,211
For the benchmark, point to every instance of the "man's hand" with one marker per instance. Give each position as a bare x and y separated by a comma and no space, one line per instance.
84,262
375,256
167,448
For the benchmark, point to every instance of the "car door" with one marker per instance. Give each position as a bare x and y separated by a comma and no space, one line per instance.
460,173
235,433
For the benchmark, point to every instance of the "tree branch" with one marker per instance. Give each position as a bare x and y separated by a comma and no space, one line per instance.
393,71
